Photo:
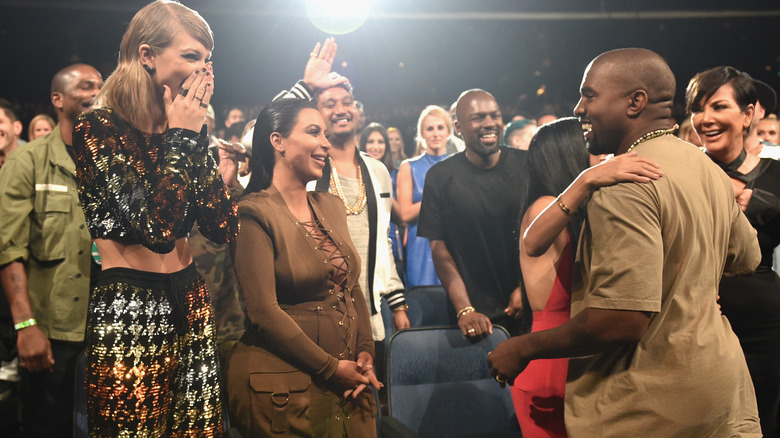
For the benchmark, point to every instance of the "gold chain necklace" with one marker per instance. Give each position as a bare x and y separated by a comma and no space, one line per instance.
335,186
651,135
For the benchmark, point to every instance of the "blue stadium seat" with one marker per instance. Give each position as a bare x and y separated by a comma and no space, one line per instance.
430,306
439,384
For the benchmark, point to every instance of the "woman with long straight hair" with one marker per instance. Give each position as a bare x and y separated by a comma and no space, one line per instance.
145,176
302,365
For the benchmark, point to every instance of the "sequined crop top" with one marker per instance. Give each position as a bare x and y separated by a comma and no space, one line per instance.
148,189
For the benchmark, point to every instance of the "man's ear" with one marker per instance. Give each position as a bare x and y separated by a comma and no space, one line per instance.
18,128
637,103
56,100
456,125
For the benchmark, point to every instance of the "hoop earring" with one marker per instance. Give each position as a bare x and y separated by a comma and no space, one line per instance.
150,70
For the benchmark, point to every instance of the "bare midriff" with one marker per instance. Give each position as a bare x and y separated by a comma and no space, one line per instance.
117,255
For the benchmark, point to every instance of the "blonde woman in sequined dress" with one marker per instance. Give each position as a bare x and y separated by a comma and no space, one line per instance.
144,177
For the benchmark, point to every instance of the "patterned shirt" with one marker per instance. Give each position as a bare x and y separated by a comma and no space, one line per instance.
141,188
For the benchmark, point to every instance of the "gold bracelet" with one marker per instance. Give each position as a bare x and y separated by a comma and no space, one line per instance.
401,307
465,310
563,206
25,324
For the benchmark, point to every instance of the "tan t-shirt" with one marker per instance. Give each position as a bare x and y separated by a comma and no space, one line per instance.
661,248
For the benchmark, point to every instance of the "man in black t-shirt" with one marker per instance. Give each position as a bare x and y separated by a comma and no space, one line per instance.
470,210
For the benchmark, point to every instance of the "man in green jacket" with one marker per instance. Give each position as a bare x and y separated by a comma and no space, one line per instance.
45,258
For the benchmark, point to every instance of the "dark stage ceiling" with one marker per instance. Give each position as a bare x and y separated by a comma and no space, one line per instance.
407,52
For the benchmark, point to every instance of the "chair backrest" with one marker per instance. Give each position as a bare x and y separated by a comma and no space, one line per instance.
387,318
439,384
430,306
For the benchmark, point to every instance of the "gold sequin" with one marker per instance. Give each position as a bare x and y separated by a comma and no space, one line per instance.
145,188
147,380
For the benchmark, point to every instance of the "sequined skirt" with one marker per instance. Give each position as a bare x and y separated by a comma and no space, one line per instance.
152,367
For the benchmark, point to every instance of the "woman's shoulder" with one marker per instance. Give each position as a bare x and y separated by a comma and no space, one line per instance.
414,159
102,114
771,163
104,118
326,200
254,204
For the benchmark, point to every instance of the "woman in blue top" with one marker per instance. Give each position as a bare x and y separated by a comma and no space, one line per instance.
374,140
434,127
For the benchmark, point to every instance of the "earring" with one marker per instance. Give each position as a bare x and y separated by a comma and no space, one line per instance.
281,153
150,70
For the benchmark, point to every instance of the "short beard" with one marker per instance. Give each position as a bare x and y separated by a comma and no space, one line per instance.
483,151
594,148
342,137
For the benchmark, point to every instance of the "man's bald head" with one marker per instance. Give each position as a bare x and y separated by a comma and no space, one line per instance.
639,69
479,123
465,99
625,94
73,90
65,76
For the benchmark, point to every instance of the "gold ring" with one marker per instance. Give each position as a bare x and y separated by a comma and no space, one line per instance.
471,330
499,379
312,54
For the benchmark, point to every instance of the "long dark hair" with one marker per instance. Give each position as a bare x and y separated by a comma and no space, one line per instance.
557,155
387,157
279,116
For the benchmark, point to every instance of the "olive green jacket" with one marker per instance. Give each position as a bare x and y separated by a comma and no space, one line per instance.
43,226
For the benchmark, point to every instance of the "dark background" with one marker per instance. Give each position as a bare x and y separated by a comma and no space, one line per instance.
509,47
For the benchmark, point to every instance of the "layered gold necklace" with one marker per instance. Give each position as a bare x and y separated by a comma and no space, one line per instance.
335,187
651,135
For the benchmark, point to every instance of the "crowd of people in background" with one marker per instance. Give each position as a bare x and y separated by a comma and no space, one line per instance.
202,261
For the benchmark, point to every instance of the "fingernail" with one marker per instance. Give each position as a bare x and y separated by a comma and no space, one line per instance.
197,71
208,73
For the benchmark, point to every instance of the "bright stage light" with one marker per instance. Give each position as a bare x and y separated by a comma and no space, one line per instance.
337,17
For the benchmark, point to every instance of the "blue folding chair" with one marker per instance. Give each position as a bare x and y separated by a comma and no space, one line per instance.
439,384
430,306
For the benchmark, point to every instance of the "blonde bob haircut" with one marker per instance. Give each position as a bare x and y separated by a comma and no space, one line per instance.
130,90
439,113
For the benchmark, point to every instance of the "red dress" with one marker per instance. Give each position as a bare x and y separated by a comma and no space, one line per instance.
538,391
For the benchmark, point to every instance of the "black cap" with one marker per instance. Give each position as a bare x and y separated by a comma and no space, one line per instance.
766,95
